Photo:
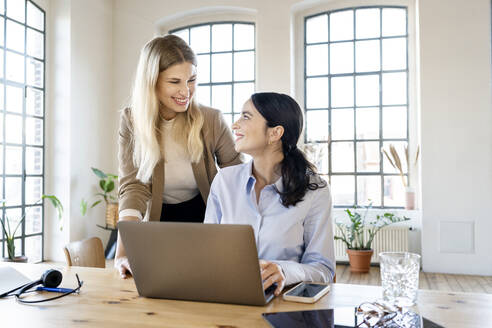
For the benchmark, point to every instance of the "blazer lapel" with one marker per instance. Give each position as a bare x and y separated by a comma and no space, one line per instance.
157,190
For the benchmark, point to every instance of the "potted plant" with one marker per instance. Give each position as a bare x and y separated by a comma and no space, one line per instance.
396,162
107,185
10,234
353,235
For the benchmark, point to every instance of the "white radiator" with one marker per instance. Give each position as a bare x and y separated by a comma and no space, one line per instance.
388,239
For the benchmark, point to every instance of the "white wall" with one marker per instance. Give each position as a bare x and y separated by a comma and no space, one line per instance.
455,112
81,120
456,135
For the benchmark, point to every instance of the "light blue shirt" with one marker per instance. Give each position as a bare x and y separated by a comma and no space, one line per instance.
298,238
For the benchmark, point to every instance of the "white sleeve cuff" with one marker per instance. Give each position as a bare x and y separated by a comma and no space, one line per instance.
130,212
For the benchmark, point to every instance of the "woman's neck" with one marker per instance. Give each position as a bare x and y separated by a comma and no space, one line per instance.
266,167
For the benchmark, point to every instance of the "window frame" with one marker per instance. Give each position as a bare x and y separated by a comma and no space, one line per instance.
232,114
380,106
25,85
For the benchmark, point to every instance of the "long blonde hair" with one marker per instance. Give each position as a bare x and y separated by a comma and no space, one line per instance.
156,56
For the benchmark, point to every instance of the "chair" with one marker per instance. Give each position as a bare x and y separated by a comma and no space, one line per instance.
85,253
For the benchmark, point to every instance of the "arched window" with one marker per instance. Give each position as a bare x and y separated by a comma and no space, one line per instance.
356,100
226,63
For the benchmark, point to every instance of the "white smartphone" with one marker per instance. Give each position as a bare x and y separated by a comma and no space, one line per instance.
306,292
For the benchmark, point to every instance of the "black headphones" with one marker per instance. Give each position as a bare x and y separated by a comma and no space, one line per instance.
51,279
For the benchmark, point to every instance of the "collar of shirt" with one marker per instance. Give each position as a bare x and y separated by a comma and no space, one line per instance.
249,179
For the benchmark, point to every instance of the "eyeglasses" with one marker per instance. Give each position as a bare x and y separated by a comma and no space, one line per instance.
380,314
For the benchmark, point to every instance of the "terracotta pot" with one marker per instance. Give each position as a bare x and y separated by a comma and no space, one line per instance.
18,259
359,260
112,215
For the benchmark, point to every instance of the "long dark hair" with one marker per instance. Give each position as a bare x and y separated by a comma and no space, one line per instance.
298,174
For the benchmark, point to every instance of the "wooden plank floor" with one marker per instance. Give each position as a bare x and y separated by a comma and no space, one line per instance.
427,280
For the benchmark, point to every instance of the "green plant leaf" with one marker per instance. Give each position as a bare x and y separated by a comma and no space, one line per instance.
109,186
112,176
99,173
83,207
95,203
102,184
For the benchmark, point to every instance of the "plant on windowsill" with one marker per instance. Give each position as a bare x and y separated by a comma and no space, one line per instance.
396,162
107,185
10,234
359,234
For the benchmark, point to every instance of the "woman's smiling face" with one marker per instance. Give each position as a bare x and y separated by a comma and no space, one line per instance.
250,130
175,88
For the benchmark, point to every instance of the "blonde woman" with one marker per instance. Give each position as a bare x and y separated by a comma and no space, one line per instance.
169,145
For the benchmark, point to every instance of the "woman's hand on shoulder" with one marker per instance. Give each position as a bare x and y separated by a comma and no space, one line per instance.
123,266
272,273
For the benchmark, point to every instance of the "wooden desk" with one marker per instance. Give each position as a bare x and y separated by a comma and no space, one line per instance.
108,301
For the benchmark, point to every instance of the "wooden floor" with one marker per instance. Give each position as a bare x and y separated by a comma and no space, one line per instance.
435,281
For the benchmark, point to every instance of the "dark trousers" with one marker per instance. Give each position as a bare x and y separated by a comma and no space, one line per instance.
192,210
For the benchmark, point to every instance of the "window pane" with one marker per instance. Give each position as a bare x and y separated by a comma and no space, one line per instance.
343,189
16,9
203,68
14,215
1,68
342,25
15,96
367,23
342,57
342,91
34,160
342,157
317,125
183,34
242,92
35,17
34,189
15,67
394,192
394,53
229,119
203,94
317,59
367,123
15,36
200,38
34,248
222,97
34,102
222,67
317,29
367,90
35,73
394,122
1,140
317,92
342,124
400,149
244,36
394,88
13,191
222,37
367,56
244,66
369,190
368,156
13,164
35,44
317,153
394,22
2,7
13,124
34,131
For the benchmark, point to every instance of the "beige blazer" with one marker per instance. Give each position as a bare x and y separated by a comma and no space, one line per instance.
147,197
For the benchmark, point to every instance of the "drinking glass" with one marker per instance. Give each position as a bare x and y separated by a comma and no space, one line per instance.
400,277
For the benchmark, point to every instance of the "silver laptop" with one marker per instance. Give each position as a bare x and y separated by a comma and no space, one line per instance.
195,261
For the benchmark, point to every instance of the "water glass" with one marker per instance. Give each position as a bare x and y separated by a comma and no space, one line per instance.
400,277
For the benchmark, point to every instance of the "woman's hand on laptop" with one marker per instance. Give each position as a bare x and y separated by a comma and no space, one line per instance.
272,273
123,266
